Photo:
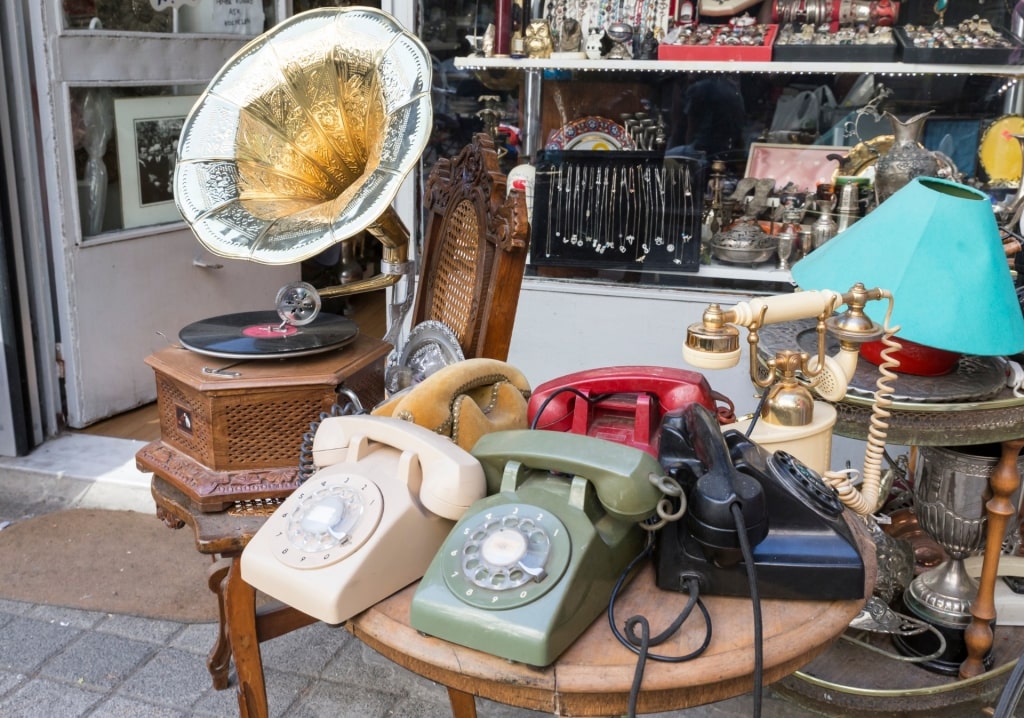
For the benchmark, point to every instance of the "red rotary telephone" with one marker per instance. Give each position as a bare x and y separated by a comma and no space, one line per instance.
624,404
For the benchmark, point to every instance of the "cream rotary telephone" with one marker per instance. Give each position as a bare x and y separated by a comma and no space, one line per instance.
368,522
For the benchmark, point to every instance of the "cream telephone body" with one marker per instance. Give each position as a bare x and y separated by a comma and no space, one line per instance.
368,522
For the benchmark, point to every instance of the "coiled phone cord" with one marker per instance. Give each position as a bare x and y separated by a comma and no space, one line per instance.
640,645
867,500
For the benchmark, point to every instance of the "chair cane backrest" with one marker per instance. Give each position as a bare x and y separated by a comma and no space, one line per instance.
474,250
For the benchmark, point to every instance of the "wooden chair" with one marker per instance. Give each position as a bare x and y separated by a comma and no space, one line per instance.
474,251
472,263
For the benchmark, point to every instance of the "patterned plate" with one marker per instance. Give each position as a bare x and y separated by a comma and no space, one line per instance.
590,133
999,152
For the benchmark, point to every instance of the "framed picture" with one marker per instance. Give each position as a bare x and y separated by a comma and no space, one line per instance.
803,165
147,141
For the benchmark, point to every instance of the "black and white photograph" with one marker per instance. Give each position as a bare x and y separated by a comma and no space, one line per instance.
148,129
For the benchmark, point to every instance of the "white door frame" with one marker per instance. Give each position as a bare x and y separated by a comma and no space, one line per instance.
30,275
42,64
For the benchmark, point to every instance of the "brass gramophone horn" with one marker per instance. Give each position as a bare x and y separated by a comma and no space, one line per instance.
302,140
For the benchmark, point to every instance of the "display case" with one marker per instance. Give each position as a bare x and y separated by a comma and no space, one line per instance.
643,315
558,91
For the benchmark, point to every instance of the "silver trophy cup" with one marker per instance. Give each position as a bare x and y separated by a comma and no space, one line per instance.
951,487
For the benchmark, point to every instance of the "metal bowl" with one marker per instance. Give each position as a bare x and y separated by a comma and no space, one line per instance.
620,32
743,243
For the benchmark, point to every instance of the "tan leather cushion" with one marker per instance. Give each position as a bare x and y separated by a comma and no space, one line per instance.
464,401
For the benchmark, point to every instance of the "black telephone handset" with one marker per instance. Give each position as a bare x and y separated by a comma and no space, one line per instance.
802,546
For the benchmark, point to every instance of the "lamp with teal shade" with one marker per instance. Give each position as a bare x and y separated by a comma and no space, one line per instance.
936,246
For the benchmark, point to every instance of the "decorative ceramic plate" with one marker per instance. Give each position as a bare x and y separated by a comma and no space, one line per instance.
999,152
591,133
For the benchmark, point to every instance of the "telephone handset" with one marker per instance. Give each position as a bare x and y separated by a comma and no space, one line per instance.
623,404
368,522
802,546
530,567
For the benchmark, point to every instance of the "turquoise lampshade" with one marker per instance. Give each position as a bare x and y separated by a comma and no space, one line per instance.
936,246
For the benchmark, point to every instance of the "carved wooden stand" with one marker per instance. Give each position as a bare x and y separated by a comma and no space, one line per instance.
1000,509
228,454
242,626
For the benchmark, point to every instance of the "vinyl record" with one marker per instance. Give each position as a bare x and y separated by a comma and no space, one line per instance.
261,335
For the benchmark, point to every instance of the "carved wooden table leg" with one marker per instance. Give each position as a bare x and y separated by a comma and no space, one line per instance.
1000,509
240,601
463,704
218,662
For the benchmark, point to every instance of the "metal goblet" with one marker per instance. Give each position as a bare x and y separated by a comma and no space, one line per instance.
787,240
951,487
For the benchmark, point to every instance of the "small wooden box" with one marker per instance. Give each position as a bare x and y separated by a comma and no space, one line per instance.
224,437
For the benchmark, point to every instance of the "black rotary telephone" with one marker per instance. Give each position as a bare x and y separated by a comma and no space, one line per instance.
802,546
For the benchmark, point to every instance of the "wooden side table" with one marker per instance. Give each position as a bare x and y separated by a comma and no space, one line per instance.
241,626
228,454
594,676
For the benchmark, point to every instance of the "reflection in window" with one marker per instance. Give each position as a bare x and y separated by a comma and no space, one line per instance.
132,15
233,17
125,141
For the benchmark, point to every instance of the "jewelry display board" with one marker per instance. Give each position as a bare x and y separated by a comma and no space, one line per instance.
639,211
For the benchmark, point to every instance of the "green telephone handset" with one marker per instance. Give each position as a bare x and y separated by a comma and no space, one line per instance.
368,522
529,568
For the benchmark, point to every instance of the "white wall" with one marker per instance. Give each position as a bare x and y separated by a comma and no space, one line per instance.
568,326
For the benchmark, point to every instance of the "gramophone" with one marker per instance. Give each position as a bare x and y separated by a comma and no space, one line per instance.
299,143
302,140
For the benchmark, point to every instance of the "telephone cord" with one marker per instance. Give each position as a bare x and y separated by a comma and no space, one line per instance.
865,501
640,645
755,601
565,389
757,410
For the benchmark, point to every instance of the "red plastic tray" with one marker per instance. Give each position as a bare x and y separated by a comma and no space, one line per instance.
738,53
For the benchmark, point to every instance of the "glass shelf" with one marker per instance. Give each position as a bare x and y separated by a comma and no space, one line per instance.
781,68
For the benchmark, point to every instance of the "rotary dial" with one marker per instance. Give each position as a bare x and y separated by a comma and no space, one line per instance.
506,556
329,522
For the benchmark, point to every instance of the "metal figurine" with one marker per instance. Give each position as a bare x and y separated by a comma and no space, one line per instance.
538,39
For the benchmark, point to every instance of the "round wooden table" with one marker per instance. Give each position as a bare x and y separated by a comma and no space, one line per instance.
594,675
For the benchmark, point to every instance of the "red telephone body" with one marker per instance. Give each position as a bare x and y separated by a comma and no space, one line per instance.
624,404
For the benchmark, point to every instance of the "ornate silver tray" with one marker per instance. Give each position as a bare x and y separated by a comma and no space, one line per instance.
974,378
431,346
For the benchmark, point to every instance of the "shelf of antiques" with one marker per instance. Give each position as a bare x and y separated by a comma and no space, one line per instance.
710,164
732,81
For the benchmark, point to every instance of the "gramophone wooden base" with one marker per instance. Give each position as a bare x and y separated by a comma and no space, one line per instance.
212,491
237,437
